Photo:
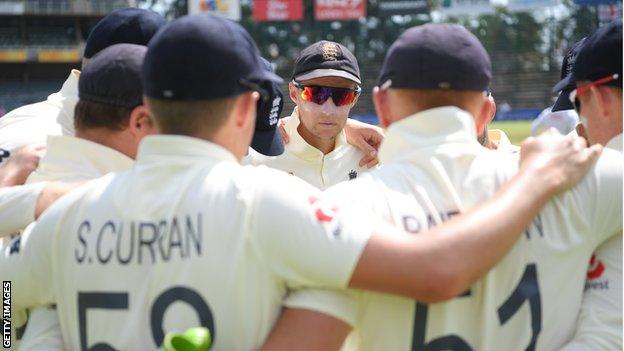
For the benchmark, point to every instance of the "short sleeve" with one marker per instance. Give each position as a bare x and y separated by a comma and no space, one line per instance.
17,207
304,239
340,304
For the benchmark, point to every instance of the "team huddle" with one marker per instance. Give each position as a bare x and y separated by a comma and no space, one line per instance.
159,191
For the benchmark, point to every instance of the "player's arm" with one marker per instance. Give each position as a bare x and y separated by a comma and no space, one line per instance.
17,207
19,166
43,331
27,260
21,205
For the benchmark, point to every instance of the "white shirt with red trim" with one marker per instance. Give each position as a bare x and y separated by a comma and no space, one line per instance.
531,298
599,325
187,237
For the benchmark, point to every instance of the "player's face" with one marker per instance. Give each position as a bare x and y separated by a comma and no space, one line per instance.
324,121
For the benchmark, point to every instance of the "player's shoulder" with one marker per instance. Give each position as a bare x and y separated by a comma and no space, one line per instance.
607,171
35,110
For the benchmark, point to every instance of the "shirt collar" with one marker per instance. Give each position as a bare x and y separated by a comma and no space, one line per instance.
428,129
155,148
300,148
615,143
89,159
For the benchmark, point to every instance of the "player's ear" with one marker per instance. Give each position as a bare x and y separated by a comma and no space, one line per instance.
292,92
606,100
140,122
485,115
245,109
380,100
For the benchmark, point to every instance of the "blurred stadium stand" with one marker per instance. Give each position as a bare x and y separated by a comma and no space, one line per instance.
41,41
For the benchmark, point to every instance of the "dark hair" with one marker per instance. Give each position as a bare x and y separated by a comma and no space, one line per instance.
89,115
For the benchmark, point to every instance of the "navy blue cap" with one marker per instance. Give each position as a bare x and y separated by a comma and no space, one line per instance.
601,55
130,26
202,57
567,84
326,59
266,140
113,76
436,56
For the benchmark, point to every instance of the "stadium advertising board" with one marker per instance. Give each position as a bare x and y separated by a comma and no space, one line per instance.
227,8
466,7
70,55
11,7
277,10
596,2
403,7
339,10
13,55
529,5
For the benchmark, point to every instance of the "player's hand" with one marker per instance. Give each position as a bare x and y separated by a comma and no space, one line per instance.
282,129
365,137
558,162
21,163
52,192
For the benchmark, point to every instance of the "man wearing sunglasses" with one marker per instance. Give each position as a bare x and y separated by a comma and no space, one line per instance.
325,86
593,88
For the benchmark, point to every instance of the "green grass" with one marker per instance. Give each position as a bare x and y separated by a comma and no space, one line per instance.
517,131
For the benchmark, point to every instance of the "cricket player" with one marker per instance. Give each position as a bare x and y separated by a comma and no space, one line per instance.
31,124
110,120
189,237
596,94
325,86
561,115
433,168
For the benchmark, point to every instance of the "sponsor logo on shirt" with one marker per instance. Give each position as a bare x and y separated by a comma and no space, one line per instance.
325,213
594,275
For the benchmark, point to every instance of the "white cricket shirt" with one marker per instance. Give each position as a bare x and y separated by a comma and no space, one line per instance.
187,237
599,323
310,164
433,168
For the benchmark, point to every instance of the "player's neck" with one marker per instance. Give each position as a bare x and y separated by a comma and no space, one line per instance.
324,145
115,140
